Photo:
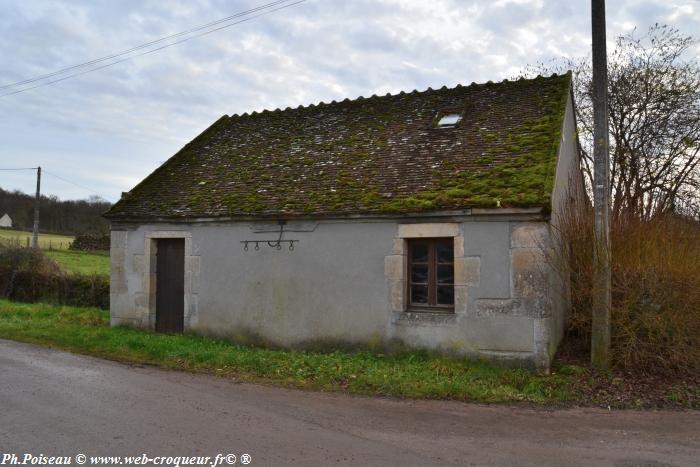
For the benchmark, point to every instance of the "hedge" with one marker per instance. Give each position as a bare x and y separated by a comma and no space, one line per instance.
27,275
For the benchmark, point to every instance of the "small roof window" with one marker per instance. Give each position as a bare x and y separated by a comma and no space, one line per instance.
448,120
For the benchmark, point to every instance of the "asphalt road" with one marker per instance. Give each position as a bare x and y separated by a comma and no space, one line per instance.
56,403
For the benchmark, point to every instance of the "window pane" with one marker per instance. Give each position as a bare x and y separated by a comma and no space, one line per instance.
419,273
445,274
445,252
419,294
419,253
449,120
445,295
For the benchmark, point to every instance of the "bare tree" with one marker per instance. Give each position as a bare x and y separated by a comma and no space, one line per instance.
654,115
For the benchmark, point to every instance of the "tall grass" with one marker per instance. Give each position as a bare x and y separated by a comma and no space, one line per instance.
655,315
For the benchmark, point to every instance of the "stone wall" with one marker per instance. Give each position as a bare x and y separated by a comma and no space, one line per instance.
345,284
90,242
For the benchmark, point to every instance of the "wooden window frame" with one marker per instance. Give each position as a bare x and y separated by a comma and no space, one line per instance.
432,284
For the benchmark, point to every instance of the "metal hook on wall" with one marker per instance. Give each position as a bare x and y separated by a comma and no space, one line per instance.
277,244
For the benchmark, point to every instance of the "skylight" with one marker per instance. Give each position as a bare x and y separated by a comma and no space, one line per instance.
449,120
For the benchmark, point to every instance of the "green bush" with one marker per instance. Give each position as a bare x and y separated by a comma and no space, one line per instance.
27,275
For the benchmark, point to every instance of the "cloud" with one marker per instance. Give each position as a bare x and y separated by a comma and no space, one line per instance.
108,129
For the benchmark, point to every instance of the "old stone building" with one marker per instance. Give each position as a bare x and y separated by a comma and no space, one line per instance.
423,218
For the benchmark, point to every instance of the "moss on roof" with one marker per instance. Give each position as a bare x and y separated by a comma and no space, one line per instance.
367,156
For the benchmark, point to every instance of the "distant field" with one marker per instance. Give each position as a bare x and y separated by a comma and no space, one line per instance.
56,248
46,241
80,261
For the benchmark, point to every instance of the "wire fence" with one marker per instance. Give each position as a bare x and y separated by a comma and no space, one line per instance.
26,241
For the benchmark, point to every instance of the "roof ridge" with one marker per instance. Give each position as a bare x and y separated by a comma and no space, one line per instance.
389,95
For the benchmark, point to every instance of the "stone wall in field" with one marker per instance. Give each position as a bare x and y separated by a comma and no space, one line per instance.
89,242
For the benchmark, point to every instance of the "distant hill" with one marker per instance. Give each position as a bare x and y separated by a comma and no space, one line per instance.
56,216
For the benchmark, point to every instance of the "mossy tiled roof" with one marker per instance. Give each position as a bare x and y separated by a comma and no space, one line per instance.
367,156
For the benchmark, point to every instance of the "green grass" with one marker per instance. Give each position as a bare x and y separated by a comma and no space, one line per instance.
81,262
46,241
413,375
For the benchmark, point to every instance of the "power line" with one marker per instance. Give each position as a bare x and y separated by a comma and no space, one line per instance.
147,44
73,183
47,83
58,177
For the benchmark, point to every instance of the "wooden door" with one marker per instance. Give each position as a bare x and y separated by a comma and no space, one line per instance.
170,285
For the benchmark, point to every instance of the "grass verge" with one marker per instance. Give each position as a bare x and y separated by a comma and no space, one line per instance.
411,375
416,375
80,262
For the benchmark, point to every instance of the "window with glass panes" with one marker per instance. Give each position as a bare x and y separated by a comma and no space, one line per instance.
431,273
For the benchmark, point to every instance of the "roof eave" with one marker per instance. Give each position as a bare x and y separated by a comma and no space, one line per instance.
523,213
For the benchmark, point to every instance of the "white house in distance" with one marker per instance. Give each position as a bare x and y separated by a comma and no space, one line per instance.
422,219
6,221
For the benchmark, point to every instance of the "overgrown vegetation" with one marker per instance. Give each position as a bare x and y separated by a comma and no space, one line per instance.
410,374
655,315
28,275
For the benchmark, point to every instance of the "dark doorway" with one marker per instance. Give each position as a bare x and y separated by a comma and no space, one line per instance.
170,285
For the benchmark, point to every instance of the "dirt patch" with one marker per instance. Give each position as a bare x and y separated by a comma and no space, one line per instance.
628,389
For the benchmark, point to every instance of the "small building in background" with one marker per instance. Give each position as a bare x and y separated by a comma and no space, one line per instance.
5,221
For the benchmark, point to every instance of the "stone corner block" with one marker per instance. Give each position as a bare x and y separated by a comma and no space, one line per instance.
394,267
398,246
468,271
461,299
459,247
530,235
397,295
139,264
192,264
529,270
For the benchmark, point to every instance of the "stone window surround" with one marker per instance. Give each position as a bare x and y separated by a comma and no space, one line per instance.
148,266
466,268
432,265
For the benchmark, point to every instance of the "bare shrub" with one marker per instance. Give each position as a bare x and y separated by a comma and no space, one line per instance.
16,260
655,316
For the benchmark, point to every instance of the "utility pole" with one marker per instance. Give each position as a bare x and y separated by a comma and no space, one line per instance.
602,300
35,230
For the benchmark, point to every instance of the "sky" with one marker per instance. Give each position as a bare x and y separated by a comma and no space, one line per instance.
101,133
